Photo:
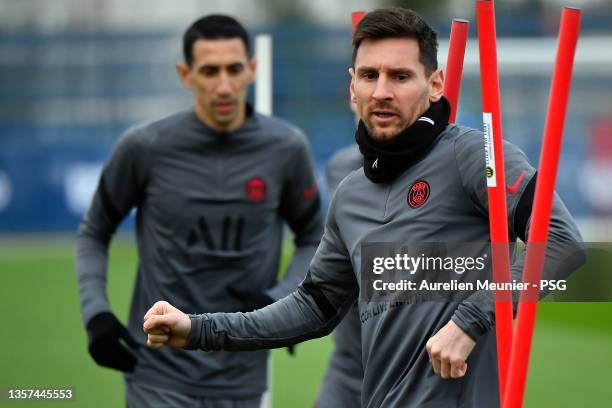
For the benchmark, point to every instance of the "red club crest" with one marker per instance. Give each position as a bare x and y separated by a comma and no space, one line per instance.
310,192
418,193
255,189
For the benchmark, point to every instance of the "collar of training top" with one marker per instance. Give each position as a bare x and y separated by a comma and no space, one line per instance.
384,160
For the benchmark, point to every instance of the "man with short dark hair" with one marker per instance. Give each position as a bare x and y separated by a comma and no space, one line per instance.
423,181
213,186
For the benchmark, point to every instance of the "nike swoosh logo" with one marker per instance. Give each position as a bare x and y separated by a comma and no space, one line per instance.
512,189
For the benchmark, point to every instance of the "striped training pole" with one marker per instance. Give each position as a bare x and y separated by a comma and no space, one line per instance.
542,205
496,183
356,17
454,64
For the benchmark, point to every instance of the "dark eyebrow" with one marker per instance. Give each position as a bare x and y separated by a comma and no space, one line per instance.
392,71
218,67
401,71
208,66
362,69
235,65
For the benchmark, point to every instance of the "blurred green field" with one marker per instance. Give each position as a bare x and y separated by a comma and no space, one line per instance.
44,344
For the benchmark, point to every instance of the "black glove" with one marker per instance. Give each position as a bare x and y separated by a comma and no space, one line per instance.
105,331
291,350
254,301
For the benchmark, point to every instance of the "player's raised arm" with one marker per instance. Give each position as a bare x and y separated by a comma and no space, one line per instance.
475,315
313,310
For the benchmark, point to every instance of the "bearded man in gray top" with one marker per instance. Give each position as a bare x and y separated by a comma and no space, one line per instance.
423,180
213,186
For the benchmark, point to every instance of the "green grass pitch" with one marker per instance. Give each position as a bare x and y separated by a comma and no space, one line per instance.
44,343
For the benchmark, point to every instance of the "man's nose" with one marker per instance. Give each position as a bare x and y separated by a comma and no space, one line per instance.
382,91
225,85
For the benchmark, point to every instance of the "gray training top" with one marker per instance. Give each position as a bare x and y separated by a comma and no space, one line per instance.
397,372
210,217
341,386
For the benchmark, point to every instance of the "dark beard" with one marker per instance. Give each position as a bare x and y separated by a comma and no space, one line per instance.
384,160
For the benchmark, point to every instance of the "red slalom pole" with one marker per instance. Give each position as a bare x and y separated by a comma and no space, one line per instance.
454,64
542,204
496,183
356,17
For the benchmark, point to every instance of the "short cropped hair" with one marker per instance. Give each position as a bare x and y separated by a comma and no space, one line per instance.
214,26
395,22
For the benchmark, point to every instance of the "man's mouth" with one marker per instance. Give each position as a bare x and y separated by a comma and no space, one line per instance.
225,107
382,115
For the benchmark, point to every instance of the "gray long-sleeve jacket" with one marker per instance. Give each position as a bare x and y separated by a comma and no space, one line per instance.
210,213
397,372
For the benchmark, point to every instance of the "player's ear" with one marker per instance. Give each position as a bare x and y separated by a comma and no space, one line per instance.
351,72
436,85
252,68
183,72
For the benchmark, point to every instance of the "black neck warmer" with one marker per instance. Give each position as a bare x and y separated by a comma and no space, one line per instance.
384,160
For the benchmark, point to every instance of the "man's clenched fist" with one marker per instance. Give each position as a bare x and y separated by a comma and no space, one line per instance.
165,325
448,349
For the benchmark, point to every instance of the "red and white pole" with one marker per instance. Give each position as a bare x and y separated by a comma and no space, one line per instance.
496,182
356,17
542,205
454,64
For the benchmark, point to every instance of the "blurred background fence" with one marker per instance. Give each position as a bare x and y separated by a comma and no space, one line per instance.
75,75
